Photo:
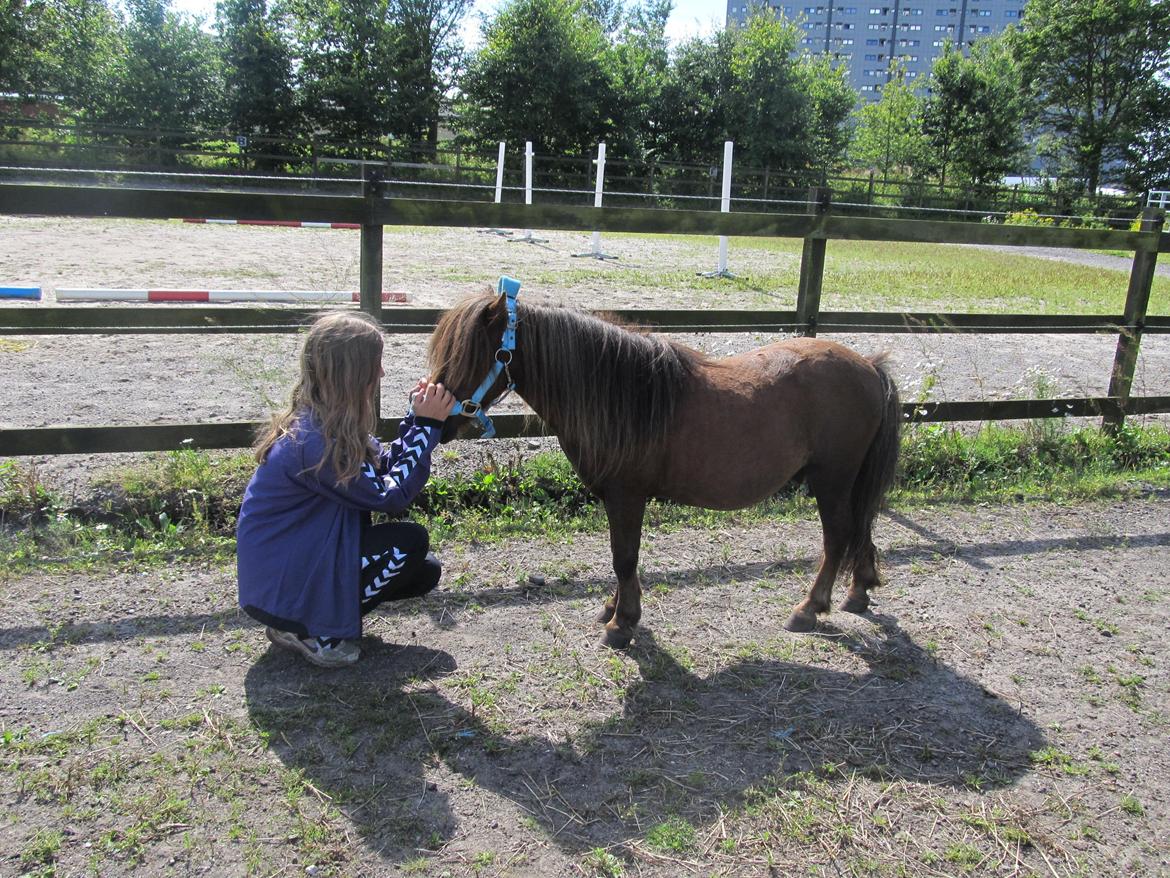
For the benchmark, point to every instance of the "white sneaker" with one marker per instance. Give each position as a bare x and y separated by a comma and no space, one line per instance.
335,655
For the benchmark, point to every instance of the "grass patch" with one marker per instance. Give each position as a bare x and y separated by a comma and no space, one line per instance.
186,502
887,275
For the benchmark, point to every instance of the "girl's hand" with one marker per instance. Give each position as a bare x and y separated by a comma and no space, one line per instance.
433,401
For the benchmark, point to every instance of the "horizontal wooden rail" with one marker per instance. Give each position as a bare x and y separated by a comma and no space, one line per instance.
240,434
165,203
161,319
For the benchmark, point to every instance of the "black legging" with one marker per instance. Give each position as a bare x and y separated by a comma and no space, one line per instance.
396,563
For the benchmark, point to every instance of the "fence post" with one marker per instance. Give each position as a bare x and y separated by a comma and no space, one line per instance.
812,265
1137,298
370,280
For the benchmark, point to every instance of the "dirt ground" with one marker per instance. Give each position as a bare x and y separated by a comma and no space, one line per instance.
1004,708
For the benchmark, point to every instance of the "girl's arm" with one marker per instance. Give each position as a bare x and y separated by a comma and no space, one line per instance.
388,484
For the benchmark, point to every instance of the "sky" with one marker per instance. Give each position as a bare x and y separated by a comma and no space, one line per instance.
690,17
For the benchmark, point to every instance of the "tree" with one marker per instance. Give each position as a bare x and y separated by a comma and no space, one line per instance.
259,97
21,36
347,55
637,63
1147,158
429,52
694,117
540,76
167,77
771,112
58,49
1091,65
889,132
833,100
973,114
784,110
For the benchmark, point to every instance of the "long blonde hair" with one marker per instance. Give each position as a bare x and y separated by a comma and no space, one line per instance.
340,361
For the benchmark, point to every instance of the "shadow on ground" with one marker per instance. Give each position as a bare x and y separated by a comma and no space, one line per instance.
376,737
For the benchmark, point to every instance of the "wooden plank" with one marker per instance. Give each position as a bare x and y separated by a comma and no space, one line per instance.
239,434
162,319
139,437
930,231
950,323
158,203
137,203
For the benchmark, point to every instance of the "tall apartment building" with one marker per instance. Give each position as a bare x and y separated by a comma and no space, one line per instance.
868,38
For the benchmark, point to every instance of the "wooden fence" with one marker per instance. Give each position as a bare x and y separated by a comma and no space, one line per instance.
816,226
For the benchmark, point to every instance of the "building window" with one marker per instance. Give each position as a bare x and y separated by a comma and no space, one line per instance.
871,42
1011,13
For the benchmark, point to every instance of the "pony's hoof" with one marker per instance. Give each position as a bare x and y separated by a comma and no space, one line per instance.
605,615
801,623
617,638
855,604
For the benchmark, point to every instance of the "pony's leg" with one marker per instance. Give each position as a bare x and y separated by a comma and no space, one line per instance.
865,577
837,526
624,609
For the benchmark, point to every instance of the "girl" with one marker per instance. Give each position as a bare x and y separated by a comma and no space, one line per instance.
310,563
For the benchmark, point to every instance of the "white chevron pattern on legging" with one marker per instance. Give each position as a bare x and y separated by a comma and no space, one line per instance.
367,560
392,569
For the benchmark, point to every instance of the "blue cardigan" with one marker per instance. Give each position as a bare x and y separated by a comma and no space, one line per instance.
298,539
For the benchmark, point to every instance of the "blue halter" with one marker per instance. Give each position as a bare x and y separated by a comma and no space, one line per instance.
472,407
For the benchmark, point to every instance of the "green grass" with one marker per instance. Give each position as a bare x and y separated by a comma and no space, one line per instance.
185,503
863,275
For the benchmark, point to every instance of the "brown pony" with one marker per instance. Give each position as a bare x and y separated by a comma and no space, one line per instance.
640,416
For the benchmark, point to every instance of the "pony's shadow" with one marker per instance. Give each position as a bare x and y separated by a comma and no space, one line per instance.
682,745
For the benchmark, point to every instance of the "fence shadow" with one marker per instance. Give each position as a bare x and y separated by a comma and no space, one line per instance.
681,745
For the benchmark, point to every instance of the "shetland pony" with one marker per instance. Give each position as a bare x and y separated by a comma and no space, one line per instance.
640,416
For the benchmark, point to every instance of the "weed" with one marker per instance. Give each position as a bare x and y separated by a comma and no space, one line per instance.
1130,804
676,835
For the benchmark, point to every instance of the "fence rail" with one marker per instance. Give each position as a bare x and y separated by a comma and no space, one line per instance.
45,143
817,225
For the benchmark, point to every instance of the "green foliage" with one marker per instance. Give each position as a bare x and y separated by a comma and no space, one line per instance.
973,115
167,78
539,77
889,137
23,497
1027,217
259,93
674,836
1096,70
188,501
941,461
748,84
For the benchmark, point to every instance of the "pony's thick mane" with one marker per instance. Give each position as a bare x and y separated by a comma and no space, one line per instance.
609,391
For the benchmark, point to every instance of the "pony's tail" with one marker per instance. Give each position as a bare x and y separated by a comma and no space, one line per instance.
877,470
